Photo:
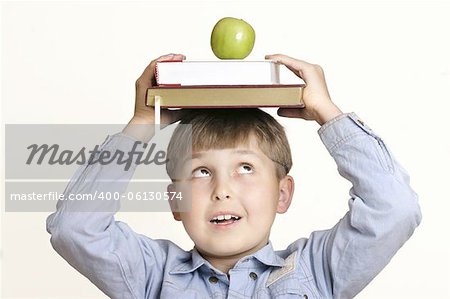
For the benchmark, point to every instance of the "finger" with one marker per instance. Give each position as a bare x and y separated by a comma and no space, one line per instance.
175,115
291,112
297,66
287,60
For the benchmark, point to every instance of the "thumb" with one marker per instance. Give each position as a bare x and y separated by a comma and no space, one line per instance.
293,113
172,116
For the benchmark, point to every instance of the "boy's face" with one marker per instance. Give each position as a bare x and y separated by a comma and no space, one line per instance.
239,182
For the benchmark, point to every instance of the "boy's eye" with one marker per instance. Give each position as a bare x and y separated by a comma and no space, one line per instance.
200,173
245,169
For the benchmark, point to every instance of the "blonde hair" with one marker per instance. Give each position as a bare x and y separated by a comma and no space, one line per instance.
229,128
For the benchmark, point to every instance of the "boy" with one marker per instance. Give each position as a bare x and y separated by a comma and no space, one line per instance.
239,179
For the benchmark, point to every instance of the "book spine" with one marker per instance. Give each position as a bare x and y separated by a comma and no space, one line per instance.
157,73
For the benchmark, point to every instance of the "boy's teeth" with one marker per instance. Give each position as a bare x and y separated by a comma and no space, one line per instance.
227,217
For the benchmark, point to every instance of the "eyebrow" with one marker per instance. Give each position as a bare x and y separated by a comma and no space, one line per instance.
241,152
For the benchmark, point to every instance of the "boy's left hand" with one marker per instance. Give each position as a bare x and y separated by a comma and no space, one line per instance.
318,104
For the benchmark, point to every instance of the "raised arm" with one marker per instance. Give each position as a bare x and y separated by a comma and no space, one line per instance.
383,209
116,259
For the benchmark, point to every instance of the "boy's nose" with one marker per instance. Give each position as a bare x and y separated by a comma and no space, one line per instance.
222,197
222,190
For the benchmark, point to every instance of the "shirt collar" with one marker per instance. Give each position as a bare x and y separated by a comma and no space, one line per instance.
190,265
265,255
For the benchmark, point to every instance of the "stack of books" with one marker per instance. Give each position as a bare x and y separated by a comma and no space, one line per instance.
227,83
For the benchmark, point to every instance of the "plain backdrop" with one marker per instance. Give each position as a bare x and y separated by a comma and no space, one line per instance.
77,62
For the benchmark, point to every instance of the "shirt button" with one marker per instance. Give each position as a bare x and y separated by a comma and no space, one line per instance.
213,279
305,296
253,275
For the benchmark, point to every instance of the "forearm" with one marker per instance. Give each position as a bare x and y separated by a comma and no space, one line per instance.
98,177
364,160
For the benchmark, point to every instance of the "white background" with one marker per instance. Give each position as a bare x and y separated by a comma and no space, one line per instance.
389,61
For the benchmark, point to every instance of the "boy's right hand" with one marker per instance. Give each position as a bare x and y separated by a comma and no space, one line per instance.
145,115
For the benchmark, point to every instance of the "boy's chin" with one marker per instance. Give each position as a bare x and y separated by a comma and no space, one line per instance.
227,250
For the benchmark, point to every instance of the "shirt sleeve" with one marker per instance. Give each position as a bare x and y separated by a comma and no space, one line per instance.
383,211
117,260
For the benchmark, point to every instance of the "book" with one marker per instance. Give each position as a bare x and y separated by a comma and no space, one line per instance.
226,72
288,96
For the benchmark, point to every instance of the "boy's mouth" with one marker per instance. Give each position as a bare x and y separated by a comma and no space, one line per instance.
225,219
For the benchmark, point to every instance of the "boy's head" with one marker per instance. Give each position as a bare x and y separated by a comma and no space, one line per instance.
238,168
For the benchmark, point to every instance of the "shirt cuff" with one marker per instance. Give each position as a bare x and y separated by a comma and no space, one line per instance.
342,128
121,142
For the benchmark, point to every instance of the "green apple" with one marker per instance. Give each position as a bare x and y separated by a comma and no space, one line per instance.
232,38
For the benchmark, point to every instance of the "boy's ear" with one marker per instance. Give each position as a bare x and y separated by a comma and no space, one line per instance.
174,204
286,191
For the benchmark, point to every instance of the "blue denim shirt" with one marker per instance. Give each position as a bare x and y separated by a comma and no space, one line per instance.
335,263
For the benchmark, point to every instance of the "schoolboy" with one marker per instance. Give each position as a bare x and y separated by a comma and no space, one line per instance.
239,179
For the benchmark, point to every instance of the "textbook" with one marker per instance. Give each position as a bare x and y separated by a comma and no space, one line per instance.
287,96
225,72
